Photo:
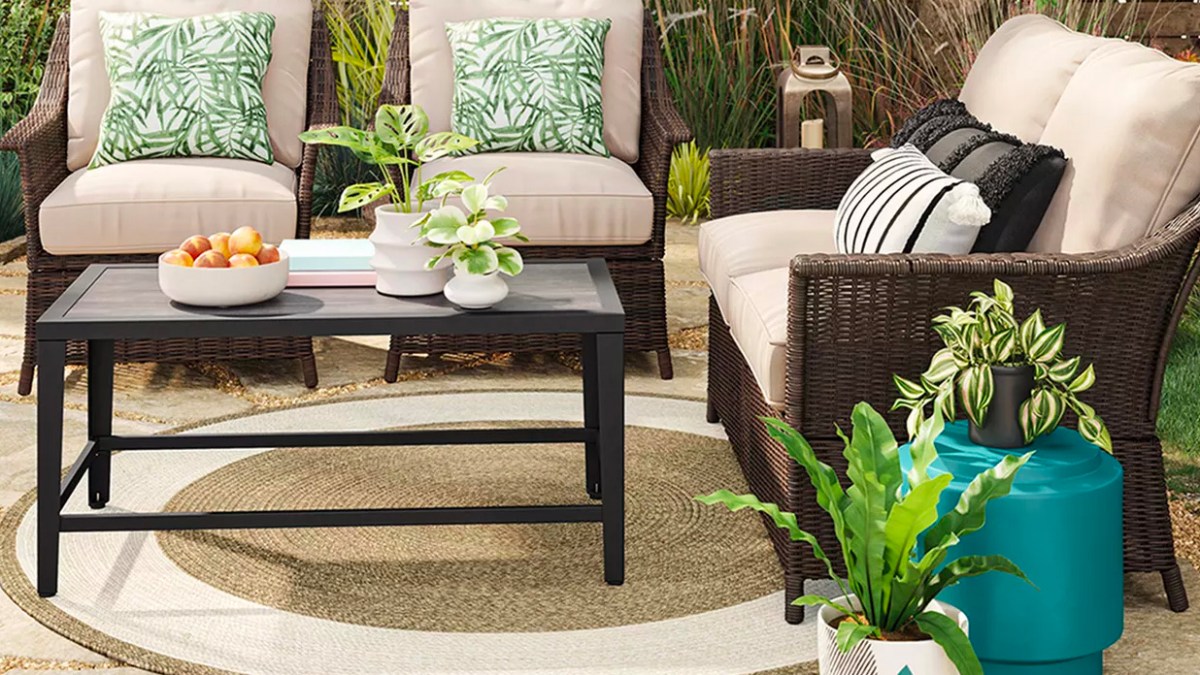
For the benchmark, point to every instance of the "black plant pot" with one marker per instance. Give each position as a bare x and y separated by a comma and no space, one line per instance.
1012,386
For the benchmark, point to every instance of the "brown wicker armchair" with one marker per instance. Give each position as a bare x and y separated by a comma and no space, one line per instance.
40,141
854,320
637,270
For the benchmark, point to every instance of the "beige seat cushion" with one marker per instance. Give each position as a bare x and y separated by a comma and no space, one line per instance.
1021,72
285,87
152,205
758,315
753,242
565,200
1129,122
621,86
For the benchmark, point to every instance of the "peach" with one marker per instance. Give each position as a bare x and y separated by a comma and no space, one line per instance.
243,260
245,240
220,243
269,254
178,257
195,246
211,259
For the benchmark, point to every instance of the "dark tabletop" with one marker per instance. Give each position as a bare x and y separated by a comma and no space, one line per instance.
124,302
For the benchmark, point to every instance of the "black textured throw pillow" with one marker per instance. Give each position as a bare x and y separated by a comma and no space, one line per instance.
1017,180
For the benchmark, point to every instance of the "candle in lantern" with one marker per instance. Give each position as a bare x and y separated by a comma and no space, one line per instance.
812,134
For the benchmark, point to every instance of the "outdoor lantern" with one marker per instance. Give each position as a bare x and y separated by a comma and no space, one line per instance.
814,70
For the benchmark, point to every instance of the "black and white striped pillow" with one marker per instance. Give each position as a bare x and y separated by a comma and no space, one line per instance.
903,203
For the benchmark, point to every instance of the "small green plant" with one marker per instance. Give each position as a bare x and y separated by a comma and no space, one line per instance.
878,521
988,334
399,145
470,236
687,187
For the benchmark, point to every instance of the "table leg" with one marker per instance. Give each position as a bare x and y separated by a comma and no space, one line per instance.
52,358
100,411
591,412
610,367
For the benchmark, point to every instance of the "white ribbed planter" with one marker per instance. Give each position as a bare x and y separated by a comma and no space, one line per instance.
476,291
873,657
399,261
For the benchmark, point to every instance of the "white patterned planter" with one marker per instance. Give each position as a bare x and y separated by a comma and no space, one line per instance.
476,291
399,261
874,657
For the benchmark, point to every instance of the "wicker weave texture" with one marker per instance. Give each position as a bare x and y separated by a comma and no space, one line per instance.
637,270
854,320
40,141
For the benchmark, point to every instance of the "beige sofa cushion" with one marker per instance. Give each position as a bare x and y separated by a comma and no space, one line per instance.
285,87
1021,72
565,200
753,242
621,86
151,205
1128,121
758,315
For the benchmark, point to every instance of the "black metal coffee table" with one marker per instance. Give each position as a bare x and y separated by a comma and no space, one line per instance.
117,302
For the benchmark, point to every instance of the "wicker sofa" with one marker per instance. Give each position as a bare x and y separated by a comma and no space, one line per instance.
131,212
806,336
565,202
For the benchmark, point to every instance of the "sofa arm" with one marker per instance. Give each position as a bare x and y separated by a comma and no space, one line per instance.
746,181
854,320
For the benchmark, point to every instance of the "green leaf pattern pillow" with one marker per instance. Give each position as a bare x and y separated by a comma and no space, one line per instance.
530,85
187,87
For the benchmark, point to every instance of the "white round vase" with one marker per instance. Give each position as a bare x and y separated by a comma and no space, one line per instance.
875,657
399,260
475,291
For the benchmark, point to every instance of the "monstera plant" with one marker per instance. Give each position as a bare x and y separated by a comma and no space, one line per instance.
986,341
399,146
894,544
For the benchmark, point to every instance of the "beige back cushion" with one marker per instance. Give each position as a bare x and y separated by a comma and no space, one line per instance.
285,87
1021,72
621,86
1128,121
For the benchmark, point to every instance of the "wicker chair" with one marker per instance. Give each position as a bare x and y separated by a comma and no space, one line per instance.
637,270
854,320
40,141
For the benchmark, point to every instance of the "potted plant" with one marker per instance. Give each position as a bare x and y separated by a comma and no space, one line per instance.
470,241
886,617
1009,376
399,145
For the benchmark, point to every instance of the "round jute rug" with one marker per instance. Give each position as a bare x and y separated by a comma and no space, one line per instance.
702,591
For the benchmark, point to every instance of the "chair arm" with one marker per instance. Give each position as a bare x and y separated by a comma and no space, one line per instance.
40,139
663,128
747,181
854,320
395,89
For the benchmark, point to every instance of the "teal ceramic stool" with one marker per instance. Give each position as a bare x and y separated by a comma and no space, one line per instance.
1061,524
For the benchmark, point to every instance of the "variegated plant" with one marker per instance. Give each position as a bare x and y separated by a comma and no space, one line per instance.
988,334
400,141
470,236
879,520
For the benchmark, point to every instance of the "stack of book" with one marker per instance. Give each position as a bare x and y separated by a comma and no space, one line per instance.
329,262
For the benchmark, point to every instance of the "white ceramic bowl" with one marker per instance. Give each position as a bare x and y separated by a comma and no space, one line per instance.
223,287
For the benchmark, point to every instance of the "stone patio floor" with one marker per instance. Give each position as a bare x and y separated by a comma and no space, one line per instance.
153,397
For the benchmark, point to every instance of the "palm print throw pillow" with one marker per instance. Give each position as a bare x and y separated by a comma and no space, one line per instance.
530,85
185,87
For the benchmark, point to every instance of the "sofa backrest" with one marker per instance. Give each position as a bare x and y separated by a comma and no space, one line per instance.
1126,116
285,86
1021,72
432,77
